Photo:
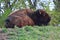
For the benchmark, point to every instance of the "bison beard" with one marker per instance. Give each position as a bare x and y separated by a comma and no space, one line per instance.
25,17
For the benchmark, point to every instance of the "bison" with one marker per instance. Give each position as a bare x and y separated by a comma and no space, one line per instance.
25,17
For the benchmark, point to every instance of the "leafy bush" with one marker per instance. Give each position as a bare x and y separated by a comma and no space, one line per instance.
55,18
3,17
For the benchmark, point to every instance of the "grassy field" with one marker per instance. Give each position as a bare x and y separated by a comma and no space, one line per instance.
33,33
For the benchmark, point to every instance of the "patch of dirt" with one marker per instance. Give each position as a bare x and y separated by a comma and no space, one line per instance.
3,35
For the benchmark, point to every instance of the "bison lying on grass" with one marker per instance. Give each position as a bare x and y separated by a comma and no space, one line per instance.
25,17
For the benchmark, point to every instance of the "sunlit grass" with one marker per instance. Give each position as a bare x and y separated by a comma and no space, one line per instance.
34,33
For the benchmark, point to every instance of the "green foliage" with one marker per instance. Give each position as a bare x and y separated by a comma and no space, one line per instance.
34,33
55,18
19,5
3,17
57,5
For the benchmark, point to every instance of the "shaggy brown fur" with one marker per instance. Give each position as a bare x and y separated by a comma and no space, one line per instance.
22,11
25,17
19,18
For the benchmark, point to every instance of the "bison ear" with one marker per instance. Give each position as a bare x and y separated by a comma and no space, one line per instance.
37,11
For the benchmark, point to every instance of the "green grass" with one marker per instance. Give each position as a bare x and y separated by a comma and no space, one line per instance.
3,17
33,33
